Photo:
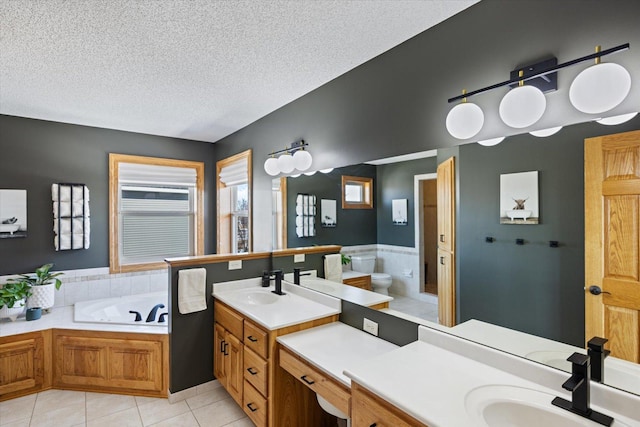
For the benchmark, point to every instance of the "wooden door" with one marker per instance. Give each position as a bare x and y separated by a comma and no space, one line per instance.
612,242
446,243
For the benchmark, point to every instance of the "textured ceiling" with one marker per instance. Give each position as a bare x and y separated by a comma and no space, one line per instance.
191,69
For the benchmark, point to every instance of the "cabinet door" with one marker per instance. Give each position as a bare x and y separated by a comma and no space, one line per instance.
22,361
446,289
235,366
370,410
446,205
218,354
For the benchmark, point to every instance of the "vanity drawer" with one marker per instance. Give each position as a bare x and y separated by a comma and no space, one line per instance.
254,405
256,339
371,410
255,371
228,318
335,393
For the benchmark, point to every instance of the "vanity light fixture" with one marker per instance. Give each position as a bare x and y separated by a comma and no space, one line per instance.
546,132
465,120
285,161
617,120
600,88
596,89
310,173
328,170
491,142
523,106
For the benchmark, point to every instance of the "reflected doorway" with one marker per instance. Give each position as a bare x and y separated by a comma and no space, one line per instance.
430,235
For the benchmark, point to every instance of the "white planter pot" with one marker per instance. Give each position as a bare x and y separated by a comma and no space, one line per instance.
12,313
42,296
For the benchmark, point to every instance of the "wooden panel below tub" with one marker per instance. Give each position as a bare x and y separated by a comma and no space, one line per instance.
24,362
111,362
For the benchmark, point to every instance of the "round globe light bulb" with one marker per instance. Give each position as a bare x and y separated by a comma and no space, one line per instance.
285,163
328,170
271,166
617,120
302,160
546,132
465,120
522,106
600,88
491,142
310,173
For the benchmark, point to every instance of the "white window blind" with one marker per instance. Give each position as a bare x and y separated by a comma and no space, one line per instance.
156,212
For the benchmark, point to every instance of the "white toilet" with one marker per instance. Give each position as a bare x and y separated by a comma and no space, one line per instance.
366,264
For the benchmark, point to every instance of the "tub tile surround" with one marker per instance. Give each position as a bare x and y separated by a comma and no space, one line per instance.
97,283
401,262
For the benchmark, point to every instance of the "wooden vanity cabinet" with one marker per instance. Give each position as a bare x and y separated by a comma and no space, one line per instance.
24,362
368,409
246,364
362,282
320,383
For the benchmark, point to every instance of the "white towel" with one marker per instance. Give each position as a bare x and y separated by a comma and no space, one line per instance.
192,285
71,241
65,209
333,267
65,225
80,192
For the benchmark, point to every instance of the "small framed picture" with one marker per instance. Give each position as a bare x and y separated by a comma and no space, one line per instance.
328,212
399,211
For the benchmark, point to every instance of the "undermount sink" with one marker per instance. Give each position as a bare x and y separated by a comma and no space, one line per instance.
256,297
511,406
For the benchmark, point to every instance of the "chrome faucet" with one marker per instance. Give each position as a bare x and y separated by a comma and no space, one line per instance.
578,385
154,311
297,274
597,353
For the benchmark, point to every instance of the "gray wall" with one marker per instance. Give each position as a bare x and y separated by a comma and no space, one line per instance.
37,153
395,181
531,288
354,226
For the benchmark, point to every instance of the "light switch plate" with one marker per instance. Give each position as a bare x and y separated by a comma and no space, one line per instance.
298,258
235,265
370,326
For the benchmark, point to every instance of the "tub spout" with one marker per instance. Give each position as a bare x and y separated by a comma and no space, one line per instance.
154,311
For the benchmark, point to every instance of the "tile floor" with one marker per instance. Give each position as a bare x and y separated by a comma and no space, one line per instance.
422,309
61,408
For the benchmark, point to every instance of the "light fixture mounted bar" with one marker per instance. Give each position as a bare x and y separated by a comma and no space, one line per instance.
295,146
544,71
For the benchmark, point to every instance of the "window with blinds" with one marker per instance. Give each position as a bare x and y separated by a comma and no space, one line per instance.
233,185
158,211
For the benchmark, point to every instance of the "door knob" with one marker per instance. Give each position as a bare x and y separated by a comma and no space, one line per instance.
596,290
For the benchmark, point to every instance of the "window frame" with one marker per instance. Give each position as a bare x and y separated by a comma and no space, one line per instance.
224,219
115,265
367,192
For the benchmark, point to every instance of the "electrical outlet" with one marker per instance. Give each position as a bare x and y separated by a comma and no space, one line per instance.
298,258
370,326
235,265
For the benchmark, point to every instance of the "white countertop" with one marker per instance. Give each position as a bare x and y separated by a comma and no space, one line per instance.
618,373
433,384
335,347
340,290
350,274
297,306
62,318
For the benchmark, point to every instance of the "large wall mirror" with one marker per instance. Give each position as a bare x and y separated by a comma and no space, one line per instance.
526,278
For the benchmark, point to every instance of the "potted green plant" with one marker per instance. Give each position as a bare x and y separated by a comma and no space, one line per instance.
345,259
43,285
12,299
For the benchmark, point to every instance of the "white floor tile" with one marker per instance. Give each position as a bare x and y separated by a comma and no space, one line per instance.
183,420
218,414
161,410
17,409
207,398
127,418
59,416
100,404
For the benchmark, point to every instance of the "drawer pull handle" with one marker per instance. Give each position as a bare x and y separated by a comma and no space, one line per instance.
442,260
252,371
442,238
222,344
252,339
226,346
373,425
304,378
251,407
